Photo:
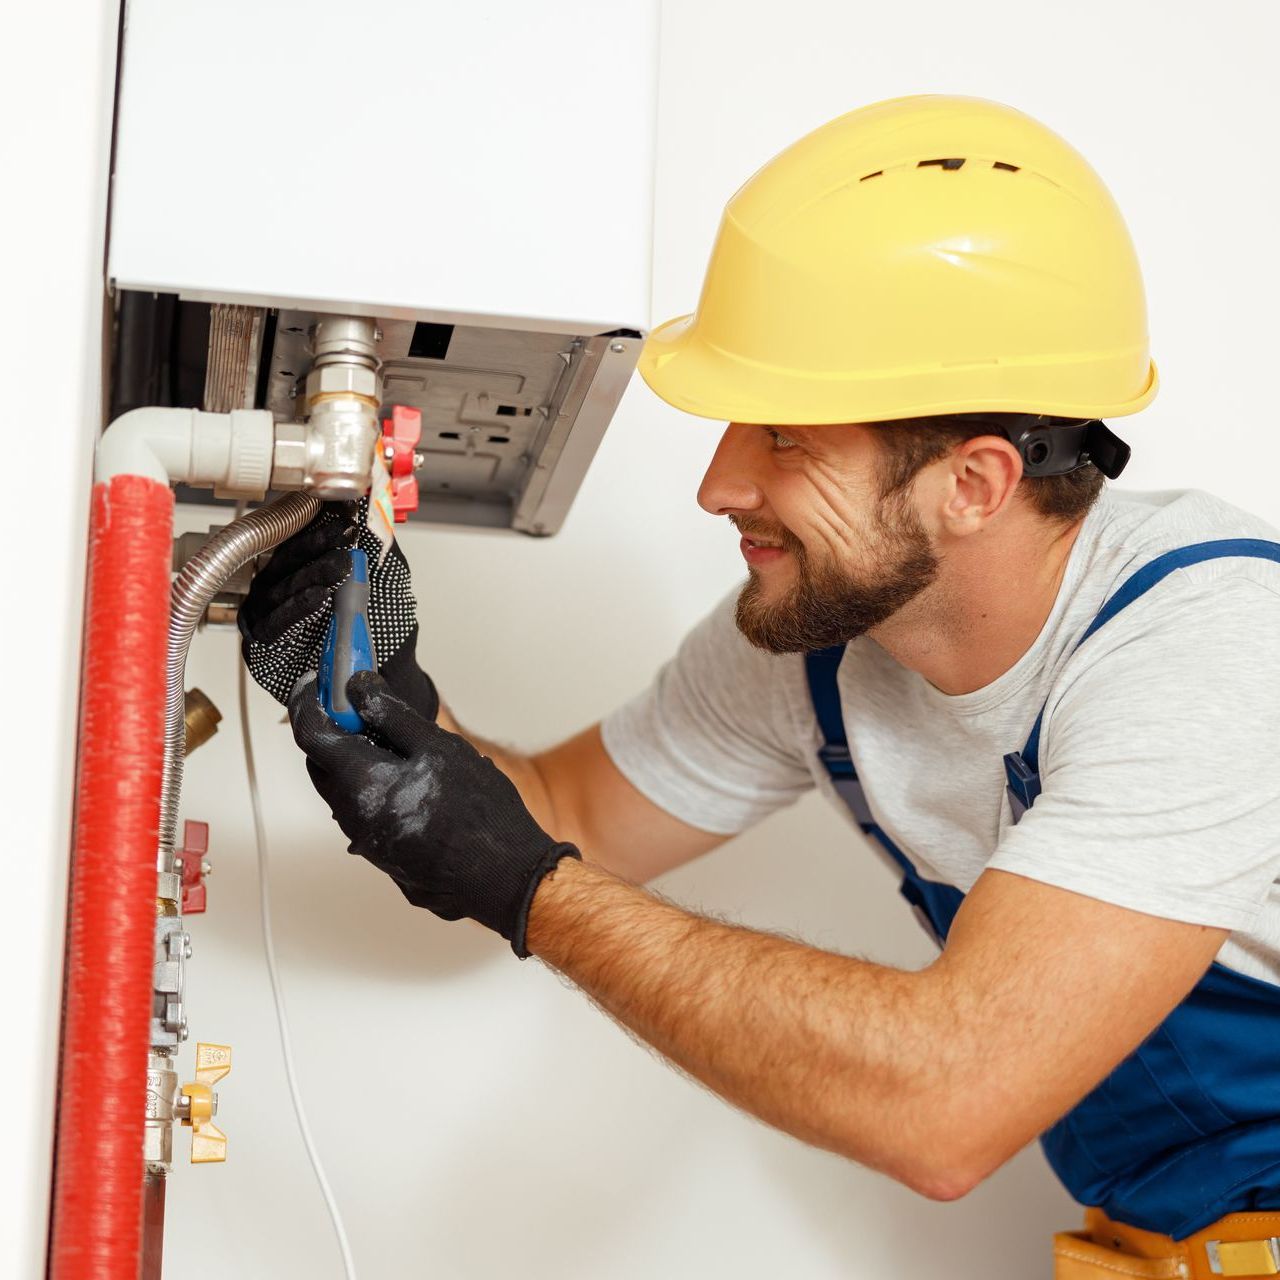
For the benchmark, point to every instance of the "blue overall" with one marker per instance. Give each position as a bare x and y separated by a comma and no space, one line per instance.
1187,1128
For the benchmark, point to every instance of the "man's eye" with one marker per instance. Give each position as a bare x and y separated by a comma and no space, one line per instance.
779,440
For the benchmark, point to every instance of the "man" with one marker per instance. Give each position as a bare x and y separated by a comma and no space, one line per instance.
1056,710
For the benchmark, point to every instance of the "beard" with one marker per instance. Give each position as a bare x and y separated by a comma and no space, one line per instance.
829,605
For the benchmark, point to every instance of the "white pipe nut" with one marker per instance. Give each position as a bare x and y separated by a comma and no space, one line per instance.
232,453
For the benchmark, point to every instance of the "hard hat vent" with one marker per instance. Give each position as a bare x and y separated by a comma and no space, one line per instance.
949,162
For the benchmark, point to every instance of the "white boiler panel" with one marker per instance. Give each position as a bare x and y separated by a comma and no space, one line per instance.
488,161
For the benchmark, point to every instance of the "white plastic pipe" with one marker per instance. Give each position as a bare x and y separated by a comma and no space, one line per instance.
230,452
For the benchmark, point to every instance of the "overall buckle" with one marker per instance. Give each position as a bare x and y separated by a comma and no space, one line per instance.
1244,1257
1023,783
837,759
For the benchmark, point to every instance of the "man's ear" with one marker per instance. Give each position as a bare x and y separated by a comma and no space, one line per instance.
981,476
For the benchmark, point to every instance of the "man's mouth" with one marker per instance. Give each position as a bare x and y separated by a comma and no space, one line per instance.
757,551
760,549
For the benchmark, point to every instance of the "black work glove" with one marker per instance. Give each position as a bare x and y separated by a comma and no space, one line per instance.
443,821
285,617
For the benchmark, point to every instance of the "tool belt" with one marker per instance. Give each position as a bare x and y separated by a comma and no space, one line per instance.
1241,1244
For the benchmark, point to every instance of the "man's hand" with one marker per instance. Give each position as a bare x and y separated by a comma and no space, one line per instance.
573,788
443,821
286,614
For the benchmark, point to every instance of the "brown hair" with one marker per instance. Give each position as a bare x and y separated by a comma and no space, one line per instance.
910,444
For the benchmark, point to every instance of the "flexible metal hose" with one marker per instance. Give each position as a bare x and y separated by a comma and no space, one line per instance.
202,577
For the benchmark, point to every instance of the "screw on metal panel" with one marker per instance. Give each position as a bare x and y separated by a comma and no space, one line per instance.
617,348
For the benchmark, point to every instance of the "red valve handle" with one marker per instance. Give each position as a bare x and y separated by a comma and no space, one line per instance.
195,847
400,435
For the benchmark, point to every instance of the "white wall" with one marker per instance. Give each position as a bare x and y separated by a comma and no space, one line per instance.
479,1118
55,102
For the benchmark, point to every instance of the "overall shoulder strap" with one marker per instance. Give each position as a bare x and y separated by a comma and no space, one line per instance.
821,668
1022,768
935,904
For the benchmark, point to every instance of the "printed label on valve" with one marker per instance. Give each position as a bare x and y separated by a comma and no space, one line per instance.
381,512
212,1055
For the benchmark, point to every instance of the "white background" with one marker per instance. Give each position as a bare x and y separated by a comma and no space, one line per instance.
55,139
478,1118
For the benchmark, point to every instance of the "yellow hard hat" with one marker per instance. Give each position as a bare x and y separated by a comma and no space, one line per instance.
926,255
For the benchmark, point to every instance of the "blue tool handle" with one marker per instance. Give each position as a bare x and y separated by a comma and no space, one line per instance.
348,647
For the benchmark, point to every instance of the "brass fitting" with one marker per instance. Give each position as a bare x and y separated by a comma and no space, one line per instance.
201,718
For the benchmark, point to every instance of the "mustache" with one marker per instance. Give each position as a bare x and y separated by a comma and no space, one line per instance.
750,527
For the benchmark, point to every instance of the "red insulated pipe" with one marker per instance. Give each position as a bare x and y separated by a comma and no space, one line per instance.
98,1169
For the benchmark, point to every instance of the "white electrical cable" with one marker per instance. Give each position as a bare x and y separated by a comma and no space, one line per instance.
268,944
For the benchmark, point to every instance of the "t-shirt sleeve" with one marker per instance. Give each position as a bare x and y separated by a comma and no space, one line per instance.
711,741
1160,763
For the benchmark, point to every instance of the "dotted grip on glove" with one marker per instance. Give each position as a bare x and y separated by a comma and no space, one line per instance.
392,610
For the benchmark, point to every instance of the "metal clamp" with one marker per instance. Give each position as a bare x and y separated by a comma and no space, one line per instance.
168,1017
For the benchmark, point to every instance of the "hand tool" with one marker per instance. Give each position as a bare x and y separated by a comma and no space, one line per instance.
348,647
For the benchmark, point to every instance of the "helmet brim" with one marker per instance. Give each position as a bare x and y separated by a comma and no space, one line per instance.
692,375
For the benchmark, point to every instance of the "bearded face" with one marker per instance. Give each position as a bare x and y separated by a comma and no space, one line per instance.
827,602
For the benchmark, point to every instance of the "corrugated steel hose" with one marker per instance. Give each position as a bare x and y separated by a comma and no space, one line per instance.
202,577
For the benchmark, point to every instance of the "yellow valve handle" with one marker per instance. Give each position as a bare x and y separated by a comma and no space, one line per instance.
208,1142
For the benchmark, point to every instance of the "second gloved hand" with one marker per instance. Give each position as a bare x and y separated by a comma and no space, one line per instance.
443,821
286,615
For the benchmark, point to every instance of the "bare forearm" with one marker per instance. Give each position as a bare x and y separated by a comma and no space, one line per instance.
833,1050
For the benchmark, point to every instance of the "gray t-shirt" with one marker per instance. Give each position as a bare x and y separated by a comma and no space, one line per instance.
1160,752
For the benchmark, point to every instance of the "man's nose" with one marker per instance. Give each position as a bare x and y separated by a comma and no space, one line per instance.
730,483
